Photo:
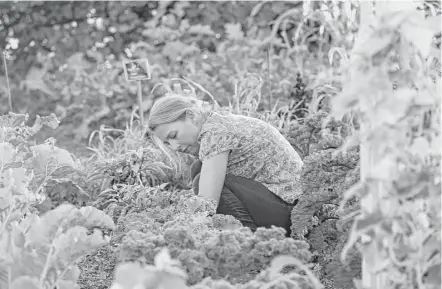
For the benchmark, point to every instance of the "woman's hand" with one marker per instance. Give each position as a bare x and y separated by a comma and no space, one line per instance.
197,204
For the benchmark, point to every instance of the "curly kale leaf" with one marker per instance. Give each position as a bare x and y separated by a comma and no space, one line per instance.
140,246
325,176
139,221
343,274
210,252
328,170
317,132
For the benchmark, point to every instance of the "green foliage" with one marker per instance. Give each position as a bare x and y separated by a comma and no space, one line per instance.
262,59
206,246
329,170
68,57
398,222
41,251
167,272
146,166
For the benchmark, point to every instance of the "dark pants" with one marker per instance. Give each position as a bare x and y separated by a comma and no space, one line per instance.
249,201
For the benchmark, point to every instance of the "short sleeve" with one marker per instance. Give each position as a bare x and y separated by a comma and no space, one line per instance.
215,141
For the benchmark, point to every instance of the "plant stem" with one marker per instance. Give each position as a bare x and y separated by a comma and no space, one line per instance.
46,267
9,213
140,103
268,76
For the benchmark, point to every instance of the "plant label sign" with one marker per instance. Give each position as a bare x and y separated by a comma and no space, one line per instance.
136,69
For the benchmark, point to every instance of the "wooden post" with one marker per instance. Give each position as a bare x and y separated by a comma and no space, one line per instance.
140,103
138,70
7,82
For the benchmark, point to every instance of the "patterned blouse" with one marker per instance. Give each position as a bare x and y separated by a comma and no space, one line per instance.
258,152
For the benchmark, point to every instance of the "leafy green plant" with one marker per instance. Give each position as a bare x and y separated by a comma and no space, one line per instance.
41,251
276,71
397,227
85,87
149,218
168,272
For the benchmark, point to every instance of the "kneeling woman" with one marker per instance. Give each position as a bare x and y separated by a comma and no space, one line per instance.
246,168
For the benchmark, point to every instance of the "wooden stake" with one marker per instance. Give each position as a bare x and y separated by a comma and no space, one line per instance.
140,103
7,82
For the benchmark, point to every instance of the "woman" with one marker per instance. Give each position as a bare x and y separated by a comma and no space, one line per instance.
246,168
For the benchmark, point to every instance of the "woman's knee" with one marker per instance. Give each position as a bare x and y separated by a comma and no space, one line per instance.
229,204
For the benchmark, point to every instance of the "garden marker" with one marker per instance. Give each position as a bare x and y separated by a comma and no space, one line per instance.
137,70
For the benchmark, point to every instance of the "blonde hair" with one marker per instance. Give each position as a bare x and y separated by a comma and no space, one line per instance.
170,108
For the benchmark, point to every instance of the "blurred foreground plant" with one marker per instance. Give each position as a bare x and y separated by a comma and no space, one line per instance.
41,251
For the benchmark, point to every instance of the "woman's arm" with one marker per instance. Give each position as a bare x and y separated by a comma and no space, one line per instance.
213,174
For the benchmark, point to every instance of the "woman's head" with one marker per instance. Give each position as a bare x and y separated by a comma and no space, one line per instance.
176,121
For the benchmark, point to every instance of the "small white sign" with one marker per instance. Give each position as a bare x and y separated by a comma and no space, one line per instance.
136,69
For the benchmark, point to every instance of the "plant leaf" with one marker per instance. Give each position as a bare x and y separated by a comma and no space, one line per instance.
76,243
47,154
129,275
65,216
25,282
6,153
